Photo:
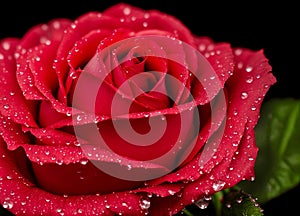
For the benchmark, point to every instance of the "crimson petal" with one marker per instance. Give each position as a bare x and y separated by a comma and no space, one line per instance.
12,101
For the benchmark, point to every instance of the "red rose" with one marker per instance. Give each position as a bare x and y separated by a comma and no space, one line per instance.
124,112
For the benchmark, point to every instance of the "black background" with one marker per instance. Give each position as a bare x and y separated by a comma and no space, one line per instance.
257,25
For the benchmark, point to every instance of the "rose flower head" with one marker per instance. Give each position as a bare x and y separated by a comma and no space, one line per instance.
124,112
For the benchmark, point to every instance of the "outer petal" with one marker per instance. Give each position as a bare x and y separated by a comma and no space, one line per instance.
37,35
242,108
137,19
220,56
21,197
12,101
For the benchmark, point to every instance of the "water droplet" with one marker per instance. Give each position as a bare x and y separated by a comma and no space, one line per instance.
78,118
240,65
75,144
84,161
249,80
129,167
239,200
59,162
171,192
202,203
201,47
127,11
244,95
73,75
249,69
238,52
124,204
228,205
58,210
145,203
6,46
8,204
217,186
145,24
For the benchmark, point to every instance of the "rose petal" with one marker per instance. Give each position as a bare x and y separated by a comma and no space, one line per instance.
12,102
164,190
53,137
37,35
44,34
12,133
25,78
139,20
144,145
35,201
79,28
220,56
49,116
71,163
238,113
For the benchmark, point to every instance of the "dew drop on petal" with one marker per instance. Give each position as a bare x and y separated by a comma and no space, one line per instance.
129,167
217,186
249,69
145,203
249,80
59,162
84,161
145,24
171,192
240,65
124,204
238,52
6,46
8,204
244,95
127,11
6,106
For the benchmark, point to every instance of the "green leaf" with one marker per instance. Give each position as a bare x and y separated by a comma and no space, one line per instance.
237,203
277,167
